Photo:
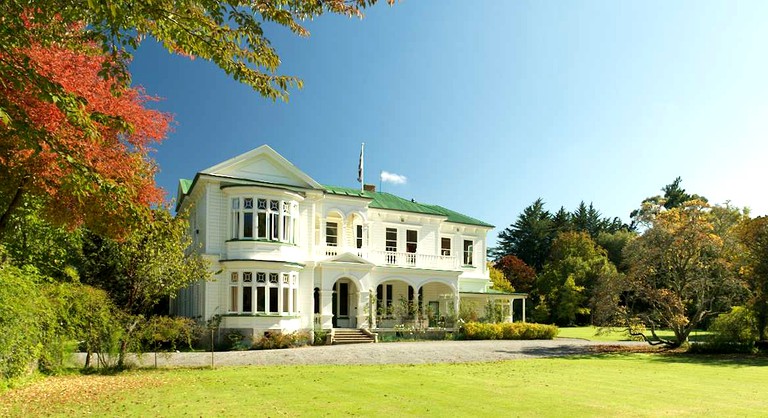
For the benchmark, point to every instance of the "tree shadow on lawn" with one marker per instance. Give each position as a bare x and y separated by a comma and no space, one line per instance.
657,354
555,351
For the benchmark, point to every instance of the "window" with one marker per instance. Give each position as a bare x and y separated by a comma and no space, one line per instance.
273,293
247,299
262,219
468,252
248,217
294,231
391,240
273,300
272,220
316,300
233,292
359,236
411,240
235,218
260,299
332,234
445,246
286,232
389,298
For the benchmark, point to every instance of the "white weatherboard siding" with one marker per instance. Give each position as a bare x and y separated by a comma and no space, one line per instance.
281,245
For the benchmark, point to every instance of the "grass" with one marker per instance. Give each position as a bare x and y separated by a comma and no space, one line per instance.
616,334
599,385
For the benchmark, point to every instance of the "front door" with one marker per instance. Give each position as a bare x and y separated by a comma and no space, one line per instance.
341,312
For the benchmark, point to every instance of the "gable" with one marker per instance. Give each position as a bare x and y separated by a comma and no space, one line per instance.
263,164
350,258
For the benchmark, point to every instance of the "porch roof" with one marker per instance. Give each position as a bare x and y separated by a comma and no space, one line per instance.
494,292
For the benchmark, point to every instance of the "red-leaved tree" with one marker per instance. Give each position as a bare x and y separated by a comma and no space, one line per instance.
91,167
520,275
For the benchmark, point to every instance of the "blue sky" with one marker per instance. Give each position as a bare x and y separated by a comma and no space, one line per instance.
486,108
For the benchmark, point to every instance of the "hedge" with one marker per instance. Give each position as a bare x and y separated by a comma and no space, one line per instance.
508,331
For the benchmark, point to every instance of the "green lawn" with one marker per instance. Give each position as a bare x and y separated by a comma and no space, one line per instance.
606,385
616,334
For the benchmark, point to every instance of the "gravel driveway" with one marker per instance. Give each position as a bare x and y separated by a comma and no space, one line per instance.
381,353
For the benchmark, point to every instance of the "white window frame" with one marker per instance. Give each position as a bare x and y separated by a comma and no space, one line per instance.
471,252
443,251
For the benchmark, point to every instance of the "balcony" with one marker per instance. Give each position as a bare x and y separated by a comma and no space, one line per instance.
393,258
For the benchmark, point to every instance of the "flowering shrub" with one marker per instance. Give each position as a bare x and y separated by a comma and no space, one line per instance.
508,331
281,340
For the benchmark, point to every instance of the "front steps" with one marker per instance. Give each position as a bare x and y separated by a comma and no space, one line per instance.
351,336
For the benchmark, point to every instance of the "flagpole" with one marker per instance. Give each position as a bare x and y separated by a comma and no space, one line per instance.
361,168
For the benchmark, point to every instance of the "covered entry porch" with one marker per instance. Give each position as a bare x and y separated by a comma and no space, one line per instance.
503,304
398,303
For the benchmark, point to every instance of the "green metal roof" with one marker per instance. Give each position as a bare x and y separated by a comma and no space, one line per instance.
457,217
185,184
381,200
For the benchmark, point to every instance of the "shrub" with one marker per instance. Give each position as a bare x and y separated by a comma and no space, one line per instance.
167,333
734,332
468,311
321,336
738,326
508,331
22,316
721,347
276,340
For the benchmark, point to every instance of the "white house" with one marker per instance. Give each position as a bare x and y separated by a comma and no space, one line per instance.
290,254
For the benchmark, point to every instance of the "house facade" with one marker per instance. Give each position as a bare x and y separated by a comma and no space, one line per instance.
288,253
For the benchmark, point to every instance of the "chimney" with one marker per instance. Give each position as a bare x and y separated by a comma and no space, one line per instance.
370,187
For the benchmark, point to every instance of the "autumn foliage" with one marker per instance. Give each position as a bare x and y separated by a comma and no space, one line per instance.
520,275
90,167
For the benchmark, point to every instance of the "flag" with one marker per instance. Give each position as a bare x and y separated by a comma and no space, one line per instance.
360,164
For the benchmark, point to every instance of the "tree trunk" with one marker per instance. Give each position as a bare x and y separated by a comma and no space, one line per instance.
12,206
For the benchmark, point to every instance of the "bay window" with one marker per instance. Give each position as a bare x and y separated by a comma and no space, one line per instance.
270,293
264,219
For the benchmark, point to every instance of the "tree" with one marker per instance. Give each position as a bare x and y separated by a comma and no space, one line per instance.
499,281
52,123
530,237
614,243
575,265
514,270
674,196
562,220
230,34
753,234
151,264
31,241
678,272
98,174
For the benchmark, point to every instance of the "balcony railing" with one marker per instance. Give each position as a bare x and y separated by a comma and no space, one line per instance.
394,258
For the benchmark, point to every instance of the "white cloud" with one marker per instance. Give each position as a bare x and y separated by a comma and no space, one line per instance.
393,178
